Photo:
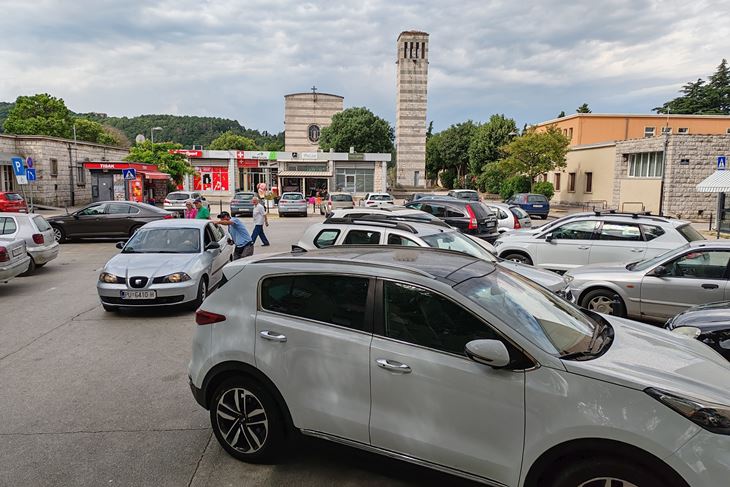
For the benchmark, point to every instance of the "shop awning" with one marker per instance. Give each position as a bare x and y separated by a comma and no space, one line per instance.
305,174
155,175
717,182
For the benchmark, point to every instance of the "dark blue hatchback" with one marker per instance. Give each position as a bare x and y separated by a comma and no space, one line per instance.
534,204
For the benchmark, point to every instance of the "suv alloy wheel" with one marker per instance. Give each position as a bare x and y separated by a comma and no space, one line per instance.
247,421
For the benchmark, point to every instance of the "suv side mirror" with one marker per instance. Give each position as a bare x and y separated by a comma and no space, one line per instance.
488,352
549,237
212,246
660,271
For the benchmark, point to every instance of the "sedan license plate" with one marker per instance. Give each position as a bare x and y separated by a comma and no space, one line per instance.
17,251
139,294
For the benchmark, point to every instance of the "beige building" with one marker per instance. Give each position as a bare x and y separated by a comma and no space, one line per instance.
411,101
305,115
588,177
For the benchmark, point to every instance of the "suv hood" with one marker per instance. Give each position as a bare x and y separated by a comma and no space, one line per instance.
642,356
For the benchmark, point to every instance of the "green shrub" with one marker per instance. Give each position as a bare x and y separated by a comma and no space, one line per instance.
545,188
448,178
515,184
491,179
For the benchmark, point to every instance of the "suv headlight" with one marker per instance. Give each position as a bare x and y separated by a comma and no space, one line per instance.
174,277
712,417
110,278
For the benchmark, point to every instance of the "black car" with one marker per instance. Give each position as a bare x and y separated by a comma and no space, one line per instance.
713,321
468,216
106,219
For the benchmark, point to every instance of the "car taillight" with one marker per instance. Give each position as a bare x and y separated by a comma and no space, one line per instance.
167,202
38,238
168,216
208,318
4,257
473,225
517,222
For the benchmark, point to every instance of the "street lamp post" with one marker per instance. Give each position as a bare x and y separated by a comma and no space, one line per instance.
152,133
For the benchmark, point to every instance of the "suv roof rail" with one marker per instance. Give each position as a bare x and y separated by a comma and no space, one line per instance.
631,214
373,222
401,218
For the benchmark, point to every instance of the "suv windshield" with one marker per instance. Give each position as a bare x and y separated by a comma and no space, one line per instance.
689,233
549,322
178,196
458,242
164,241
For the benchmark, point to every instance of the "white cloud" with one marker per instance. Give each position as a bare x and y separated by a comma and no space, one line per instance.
236,59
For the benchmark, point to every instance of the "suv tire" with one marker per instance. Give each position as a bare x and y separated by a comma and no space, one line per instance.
247,422
607,471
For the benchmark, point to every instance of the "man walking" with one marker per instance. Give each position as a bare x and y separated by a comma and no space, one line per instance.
239,234
259,220
203,211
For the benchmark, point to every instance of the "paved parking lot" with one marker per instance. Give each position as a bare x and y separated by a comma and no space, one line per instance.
96,398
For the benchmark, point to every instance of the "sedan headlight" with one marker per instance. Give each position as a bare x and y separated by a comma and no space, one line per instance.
173,278
712,417
567,278
110,278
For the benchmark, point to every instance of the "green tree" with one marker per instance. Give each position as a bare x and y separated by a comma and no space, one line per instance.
515,184
40,114
176,165
561,114
536,153
703,98
545,188
486,143
583,109
454,148
492,177
434,162
232,141
359,128
718,92
429,132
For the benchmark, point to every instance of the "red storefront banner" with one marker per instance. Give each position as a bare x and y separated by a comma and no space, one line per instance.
211,178
118,166
241,160
186,152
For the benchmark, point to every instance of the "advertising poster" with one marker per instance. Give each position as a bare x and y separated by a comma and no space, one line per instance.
136,189
211,178
119,182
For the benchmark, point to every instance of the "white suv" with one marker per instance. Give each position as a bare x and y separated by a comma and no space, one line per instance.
450,362
600,237
377,199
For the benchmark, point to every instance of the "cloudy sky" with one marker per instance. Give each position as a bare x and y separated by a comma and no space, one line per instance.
236,59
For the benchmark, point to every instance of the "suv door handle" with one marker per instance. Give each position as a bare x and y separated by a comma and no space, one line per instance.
710,286
637,250
584,247
272,336
393,366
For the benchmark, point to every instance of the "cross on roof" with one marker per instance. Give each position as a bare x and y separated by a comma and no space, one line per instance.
314,92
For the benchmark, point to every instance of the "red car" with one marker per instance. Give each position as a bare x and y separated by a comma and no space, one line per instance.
12,202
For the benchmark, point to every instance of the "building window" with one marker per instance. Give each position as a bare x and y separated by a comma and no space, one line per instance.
589,182
54,168
570,133
683,130
355,180
557,181
666,130
80,175
646,165
571,182
727,131
649,131
313,133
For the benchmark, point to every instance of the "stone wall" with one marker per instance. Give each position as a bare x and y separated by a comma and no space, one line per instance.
55,188
689,159
304,109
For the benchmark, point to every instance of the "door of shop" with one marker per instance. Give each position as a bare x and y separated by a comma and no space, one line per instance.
102,187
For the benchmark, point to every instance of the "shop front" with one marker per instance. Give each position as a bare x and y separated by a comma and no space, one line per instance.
252,172
7,176
108,183
310,178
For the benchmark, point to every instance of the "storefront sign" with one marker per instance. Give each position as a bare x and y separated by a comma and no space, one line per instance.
247,162
211,178
261,155
308,155
118,166
186,152
354,156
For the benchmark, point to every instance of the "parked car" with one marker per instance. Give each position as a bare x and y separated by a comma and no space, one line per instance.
410,232
105,219
175,201
509,217
657,288
418,196
464,194
377,199
40,242
468,216
293,203
454,363
709,323
242,203
596,238
14,259
12,202
534,204
169,262
336,201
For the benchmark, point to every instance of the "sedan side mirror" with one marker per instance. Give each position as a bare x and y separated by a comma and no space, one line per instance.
212,246
660,271
120,245
488,352
549,237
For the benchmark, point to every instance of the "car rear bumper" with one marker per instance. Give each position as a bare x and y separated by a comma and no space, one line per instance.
293,209
9,271
198,394
167,294
45,253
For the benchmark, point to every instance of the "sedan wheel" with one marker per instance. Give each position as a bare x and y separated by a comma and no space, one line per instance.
601,304
604,301
58,235
607,482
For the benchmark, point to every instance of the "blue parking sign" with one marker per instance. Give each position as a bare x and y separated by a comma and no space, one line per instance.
18,166
30,174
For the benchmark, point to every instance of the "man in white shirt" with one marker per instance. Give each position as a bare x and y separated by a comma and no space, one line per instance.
259,220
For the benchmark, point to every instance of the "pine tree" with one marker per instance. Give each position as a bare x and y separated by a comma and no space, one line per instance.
561,114
583,109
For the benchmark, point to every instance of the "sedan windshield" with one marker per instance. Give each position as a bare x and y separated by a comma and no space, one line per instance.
164,241
549,322
458,242
649,263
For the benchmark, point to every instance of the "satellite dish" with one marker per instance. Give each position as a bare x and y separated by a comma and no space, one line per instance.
139,139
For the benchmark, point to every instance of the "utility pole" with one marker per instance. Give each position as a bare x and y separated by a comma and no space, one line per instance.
664,165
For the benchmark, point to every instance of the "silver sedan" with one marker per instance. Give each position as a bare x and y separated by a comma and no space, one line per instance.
167,262
658,288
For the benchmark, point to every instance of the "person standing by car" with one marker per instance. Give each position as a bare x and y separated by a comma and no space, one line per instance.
203,213
239,235
190,210
259,220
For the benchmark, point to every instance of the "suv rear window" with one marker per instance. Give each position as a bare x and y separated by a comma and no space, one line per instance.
292,197
339,300
178,196
479,211
381,197
652,231
341,197
689,233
